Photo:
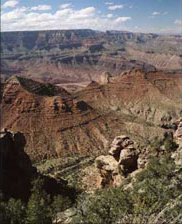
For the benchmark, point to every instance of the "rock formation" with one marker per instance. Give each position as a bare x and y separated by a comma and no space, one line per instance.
105,78
121,161
127,158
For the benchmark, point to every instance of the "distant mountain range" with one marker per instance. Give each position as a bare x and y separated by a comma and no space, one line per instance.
66,56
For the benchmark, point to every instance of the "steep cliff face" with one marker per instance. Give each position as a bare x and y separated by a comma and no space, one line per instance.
27,40
63,56
16,168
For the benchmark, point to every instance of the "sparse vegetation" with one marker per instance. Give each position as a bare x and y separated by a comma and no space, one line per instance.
153,198
153,195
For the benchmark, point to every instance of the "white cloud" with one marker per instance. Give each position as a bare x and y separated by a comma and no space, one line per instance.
83,13
109,15
122,19
178,22
41,8
87,18
159,13
114,7
64,6
109,3
156,13
10,4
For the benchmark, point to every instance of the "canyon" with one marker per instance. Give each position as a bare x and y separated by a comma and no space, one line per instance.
78,56
57,123
73,91
90,112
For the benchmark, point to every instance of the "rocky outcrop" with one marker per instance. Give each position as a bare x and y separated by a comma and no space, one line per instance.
127,158
123,149
107,163
105,78
16,168
121,161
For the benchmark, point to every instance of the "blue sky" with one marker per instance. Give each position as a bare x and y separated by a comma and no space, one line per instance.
157,16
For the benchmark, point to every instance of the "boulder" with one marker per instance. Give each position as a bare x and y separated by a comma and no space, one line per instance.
117,145
107,163
127,142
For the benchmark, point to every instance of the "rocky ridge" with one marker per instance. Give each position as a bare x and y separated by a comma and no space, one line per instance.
152,96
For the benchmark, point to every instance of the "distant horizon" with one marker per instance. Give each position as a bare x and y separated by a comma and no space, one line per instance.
124,31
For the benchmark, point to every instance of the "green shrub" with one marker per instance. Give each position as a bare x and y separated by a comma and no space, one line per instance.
12,211
155,186
107,206
156,144
38,207
169,144
59,204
